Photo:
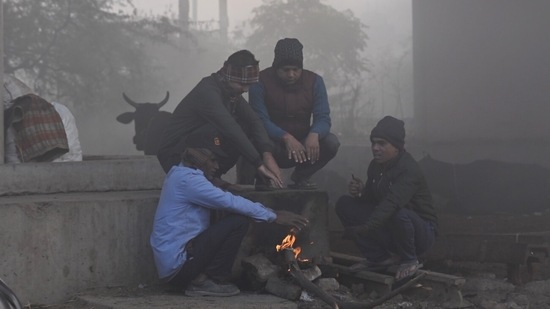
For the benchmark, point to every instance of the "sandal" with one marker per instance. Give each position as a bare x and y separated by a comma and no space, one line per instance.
303,185
407,270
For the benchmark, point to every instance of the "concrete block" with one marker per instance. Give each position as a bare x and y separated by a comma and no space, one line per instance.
56,245
94,174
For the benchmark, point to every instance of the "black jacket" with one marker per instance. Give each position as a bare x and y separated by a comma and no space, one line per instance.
396,184
210,102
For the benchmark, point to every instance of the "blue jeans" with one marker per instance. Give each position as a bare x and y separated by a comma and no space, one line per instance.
405,233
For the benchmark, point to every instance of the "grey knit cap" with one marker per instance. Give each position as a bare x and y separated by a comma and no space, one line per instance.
288,51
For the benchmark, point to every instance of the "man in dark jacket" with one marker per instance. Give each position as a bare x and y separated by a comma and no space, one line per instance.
293,106
216,107
390,217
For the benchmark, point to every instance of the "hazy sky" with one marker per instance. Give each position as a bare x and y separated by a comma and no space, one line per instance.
238,10
389,22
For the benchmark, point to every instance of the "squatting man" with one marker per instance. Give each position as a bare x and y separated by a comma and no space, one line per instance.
190,251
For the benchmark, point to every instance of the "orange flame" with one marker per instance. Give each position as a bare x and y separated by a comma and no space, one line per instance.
288,243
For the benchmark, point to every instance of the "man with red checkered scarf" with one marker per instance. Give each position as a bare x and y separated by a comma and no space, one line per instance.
216,105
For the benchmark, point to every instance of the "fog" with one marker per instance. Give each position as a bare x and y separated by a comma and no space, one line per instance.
470,80
387,87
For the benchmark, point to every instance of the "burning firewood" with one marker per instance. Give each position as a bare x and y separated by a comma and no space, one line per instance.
290,257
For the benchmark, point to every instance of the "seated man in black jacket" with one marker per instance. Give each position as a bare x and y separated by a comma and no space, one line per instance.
390,217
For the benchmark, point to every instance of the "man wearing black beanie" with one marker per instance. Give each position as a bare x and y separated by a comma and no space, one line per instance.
390,217
293,105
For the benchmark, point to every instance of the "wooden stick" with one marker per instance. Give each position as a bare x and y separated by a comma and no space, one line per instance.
335,304
305,283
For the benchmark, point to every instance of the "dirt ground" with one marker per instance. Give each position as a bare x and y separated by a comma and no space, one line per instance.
486,287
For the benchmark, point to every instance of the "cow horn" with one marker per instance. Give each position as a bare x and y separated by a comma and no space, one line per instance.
161,103
129,101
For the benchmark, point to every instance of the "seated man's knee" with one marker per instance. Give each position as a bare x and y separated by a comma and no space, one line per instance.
402,216
344,205
238,222
330,145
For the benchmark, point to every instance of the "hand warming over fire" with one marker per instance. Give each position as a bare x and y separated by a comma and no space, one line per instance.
289,218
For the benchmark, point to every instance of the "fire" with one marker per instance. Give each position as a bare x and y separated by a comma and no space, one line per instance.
288,243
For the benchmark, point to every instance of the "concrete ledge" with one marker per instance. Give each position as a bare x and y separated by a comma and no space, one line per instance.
91,175
164,300
56,245
69,227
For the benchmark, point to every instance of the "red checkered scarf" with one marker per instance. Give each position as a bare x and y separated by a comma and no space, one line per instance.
238,74
40,132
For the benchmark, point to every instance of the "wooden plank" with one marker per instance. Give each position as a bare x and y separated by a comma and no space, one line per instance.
346,258
365,275
443,278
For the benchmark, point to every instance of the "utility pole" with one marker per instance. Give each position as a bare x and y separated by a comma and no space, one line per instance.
2,80
183,11
224,19
183,19
194,15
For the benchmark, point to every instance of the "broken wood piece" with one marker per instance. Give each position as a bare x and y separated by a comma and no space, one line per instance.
327,284
283,288
312,273
259,266
305,283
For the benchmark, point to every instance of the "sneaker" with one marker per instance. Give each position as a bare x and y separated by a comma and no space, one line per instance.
407,270
210,288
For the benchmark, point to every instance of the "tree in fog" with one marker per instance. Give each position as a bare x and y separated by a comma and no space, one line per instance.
334,43
84,52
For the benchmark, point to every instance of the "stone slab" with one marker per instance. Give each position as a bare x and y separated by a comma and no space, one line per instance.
94,174
56,245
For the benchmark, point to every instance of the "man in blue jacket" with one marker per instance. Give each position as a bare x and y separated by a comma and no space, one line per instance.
293,106
190,251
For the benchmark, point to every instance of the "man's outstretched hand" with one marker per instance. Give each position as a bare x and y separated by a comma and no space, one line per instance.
285,217
275,180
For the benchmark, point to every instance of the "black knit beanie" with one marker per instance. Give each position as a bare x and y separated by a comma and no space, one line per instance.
288,51
390,129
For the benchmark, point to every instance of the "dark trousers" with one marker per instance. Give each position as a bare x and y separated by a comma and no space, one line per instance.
213,251
171,156
405,233
328,147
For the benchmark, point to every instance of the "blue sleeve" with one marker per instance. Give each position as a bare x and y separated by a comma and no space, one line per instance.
205,194
256,99
321,110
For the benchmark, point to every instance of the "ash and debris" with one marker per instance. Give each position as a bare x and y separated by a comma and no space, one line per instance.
486,287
